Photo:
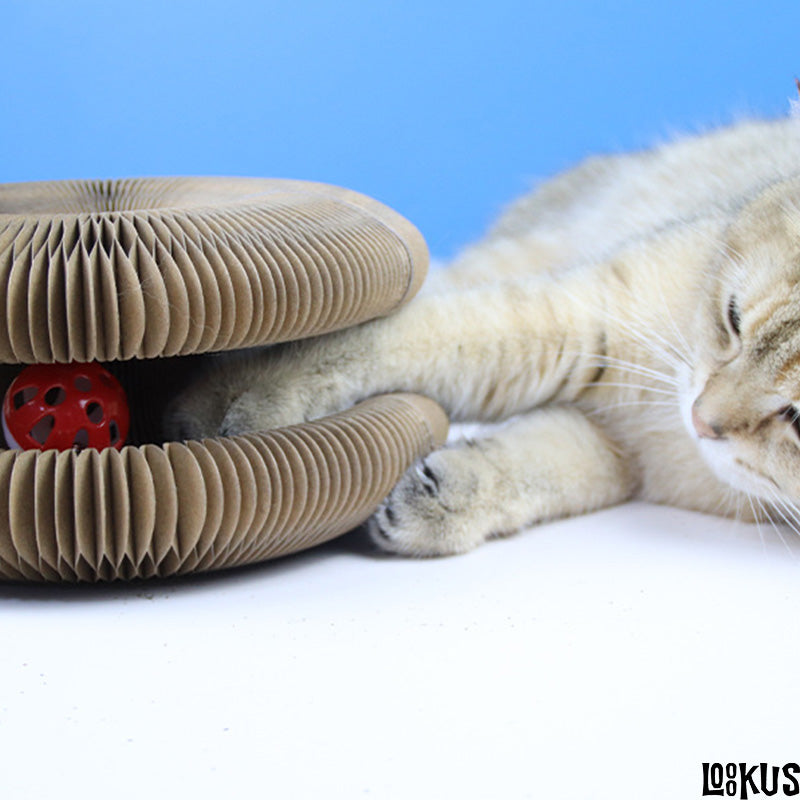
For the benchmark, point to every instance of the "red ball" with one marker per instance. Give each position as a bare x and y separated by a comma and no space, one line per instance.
65,406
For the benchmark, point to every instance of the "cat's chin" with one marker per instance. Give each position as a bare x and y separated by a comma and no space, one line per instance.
721,458
720,454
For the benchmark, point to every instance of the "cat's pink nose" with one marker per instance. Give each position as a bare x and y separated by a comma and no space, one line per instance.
703,428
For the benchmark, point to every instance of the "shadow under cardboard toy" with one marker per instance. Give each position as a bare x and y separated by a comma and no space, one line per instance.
151,277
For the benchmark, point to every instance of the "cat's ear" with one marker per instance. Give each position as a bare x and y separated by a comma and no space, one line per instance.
794,104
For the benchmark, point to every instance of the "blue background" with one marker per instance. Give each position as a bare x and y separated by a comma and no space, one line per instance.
444,110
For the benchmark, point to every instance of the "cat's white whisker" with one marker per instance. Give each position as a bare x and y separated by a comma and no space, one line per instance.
642,388
725,250
787,512
631,403
739,501
610,363
647,332
756,518
780,508
681,338
789,508
758,525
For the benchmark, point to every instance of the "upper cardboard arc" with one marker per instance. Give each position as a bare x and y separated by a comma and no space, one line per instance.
152,267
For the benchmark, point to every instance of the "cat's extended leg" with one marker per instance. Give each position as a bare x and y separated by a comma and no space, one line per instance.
482,354
549,463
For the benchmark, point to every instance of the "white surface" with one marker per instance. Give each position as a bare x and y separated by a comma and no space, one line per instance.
601,657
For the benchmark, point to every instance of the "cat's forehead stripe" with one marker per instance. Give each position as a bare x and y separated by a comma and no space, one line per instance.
790,365
761,314
773,336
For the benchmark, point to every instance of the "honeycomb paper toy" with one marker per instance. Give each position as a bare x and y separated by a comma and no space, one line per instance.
147,276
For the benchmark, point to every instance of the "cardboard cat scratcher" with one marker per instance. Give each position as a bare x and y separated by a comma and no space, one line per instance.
146,276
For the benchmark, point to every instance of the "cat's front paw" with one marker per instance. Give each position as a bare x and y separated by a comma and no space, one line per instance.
261,411
255,391
432,510
195,413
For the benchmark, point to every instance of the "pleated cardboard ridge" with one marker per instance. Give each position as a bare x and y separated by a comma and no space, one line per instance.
142,273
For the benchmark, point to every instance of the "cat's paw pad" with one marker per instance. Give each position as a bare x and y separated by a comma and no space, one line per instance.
430,512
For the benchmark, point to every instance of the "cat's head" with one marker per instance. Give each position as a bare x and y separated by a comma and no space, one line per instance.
744,404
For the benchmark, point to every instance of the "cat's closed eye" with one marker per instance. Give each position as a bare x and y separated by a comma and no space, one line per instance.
734,316
792,415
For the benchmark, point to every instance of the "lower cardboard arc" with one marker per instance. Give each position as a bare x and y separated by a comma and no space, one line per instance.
185,507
